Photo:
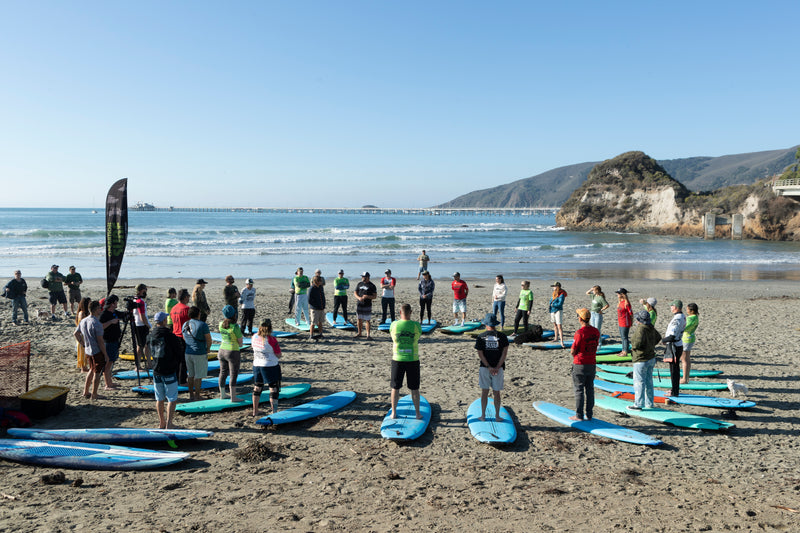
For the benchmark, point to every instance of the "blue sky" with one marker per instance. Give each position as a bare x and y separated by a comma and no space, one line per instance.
387,103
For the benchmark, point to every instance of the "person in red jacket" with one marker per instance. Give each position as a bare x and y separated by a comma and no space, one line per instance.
624,320
460,291
584,365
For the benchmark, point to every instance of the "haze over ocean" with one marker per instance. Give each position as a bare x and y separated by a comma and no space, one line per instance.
260,245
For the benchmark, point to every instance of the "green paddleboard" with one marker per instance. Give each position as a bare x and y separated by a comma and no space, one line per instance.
664,383
613,358
216,404
673,418
658,372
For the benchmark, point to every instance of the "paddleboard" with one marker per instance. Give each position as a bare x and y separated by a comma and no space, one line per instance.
385,326
613,358
658,372
605,349
213,366
455,330
85,455
340,323
673,418
490,430
216,404
109,435
509,330
626,392
308,410
595,426
428,325
281,334
664,383
555,345
406,426
217,338
303,326
208,383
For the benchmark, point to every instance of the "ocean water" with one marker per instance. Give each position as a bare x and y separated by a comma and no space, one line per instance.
248,244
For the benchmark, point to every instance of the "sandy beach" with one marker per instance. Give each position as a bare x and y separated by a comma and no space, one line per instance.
337,473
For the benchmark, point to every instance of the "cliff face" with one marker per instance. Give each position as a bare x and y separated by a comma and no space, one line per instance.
632,192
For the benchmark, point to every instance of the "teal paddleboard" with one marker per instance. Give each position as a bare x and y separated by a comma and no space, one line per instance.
673,418
457,330
664,383
658,372
244,400
339,323
303,326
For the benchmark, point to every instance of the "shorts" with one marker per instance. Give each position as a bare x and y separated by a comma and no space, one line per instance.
555,318
196,365
317,317
423,268
409,369
166,387
687,346
460,306
364,315
141,335
271,375
75,296
58,298
112,350
487,381
98,362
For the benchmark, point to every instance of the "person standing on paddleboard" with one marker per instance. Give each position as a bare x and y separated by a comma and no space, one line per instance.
248,301
584,365
387,295
340,286
673,340
643,347
460,292
229,355
301,284
316,300
405,358
266,366
492,346
524,306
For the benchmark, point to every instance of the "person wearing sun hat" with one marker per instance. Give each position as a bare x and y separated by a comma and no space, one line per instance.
229,354
643,347
584,365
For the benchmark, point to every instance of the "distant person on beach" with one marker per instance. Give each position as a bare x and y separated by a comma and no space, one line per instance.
91,334
340,286
266,366
650,306
316,301
17,291
524,306
499,299
230,294
248,303
674,345
73,281
556,307
426,288
598,306
388,284
292,296
229,354
84,363
624,319
112,336
423,263
301,284
55,288
199,299
180,315
142,325
460,292
196,342
365,292
405,358
166,350
492,347
688,339
169,303
584,365
643,347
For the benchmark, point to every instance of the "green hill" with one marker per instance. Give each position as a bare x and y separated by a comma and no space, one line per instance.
552,188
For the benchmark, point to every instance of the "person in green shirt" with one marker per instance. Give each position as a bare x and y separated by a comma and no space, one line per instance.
688,338
55,286
301,284
340,287
650,306
405,358
73,281
524,305
229,355
172,300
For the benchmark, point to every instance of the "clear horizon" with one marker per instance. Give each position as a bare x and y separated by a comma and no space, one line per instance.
272,104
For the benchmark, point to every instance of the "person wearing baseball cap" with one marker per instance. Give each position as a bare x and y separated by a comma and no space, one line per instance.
387,295
650,307
584,365
365,292
643,349
673,341
167,351
624,320
492,347
247,301
340,286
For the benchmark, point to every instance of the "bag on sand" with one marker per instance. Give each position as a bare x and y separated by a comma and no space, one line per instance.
534,334
44,283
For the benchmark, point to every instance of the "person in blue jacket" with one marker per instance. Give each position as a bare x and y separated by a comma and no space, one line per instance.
557,310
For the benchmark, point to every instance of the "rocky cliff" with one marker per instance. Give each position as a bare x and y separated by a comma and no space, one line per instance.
632,192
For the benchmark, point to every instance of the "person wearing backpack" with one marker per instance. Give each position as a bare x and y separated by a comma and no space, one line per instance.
166,350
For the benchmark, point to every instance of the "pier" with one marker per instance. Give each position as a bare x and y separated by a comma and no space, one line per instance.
428,211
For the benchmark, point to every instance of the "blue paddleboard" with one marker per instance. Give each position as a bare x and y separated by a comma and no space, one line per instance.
217,404
217,338
385,326
428,325
340,323
594,426
213,366
85,455
698,400
658,372
308,410
406,426
208,383
109,435
490,430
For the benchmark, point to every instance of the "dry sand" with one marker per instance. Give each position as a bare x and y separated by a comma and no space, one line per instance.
336,473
